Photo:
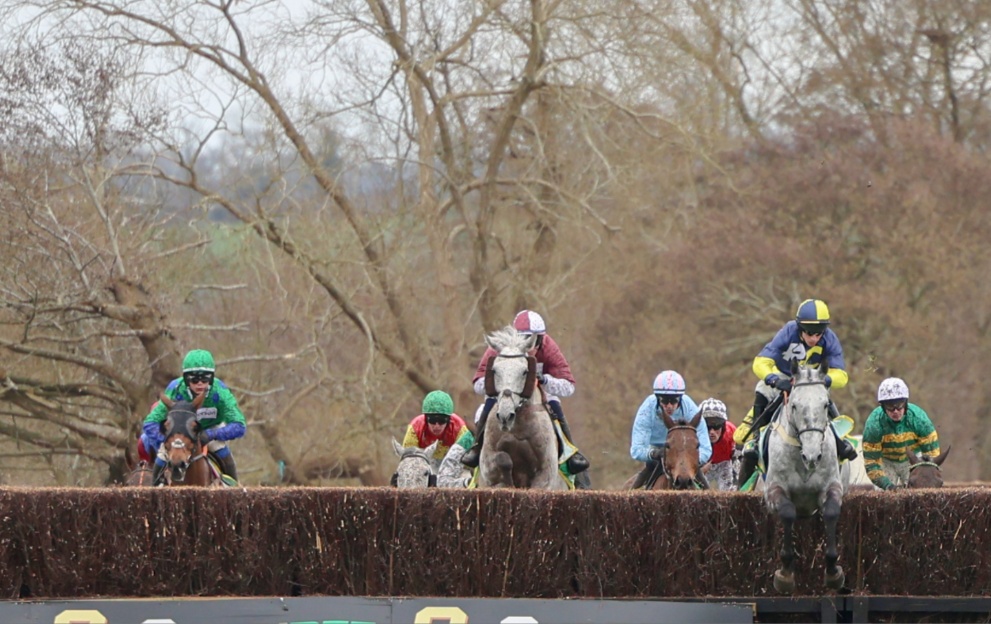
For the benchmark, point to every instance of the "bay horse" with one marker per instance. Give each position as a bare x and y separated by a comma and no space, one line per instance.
925,472
417,467
803,472
140,473
187,462
520,444
680,463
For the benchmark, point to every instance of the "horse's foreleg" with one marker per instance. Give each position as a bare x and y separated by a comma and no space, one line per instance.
830,516
784,577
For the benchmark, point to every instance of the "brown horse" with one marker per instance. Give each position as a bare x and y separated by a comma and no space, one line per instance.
140,473
187,462
677,470
925,471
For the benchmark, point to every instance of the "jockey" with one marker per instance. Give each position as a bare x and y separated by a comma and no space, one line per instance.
809,340
719,470
555,376
220,418
438,422
650,433
894,426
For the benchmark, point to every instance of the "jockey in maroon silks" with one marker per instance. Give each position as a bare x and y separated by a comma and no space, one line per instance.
554,375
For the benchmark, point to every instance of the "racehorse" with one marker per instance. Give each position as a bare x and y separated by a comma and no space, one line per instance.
417,467
520,444
925,471
187,462
680,463
140,472
803,472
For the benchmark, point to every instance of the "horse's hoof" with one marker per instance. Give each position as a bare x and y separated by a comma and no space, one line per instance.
784,582
835,580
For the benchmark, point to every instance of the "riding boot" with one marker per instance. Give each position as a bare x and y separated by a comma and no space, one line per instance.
642,478
747,467
227,465
576,463
844,450
472,455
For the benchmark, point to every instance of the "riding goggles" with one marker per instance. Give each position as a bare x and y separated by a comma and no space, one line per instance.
894,406
812,330
198,377
669,399
437,419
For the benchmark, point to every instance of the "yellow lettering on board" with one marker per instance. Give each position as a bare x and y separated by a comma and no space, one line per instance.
437,615
81,617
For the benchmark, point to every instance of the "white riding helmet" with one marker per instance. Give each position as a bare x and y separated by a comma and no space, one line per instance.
892,389
713,409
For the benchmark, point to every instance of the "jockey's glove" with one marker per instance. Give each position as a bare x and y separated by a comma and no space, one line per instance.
772,380
205,438
783,384
655,454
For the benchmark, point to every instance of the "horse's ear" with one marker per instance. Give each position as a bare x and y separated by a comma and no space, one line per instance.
942,456
198,401
165,425
531,342
823,366
167,401
912,459
430,450
397,447
794,367
696,419
668,421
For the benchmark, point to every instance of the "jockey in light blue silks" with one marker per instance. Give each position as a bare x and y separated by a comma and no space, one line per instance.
650,433
219,416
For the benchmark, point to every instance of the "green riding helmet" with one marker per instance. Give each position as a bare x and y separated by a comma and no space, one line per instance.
198,360
438,402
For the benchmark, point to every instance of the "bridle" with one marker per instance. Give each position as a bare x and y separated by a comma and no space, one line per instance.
664,459
431,478
794,441
524,395
177,443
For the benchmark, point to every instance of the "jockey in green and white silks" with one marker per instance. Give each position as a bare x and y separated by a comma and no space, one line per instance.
894,426
219,416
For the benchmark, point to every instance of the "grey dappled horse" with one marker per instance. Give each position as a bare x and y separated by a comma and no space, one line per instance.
803,473
417,467
520,444
925,472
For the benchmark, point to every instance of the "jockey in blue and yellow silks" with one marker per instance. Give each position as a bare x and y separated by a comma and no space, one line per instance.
807,340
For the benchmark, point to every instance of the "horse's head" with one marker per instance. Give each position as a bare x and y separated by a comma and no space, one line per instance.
511,374
681,451
181,430
808,411
416,466
925,472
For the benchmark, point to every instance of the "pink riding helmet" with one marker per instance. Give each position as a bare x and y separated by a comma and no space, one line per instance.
529,322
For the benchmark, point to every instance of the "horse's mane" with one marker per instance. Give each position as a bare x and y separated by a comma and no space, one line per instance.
508,341
413,451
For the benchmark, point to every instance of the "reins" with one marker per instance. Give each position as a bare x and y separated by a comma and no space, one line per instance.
794,441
